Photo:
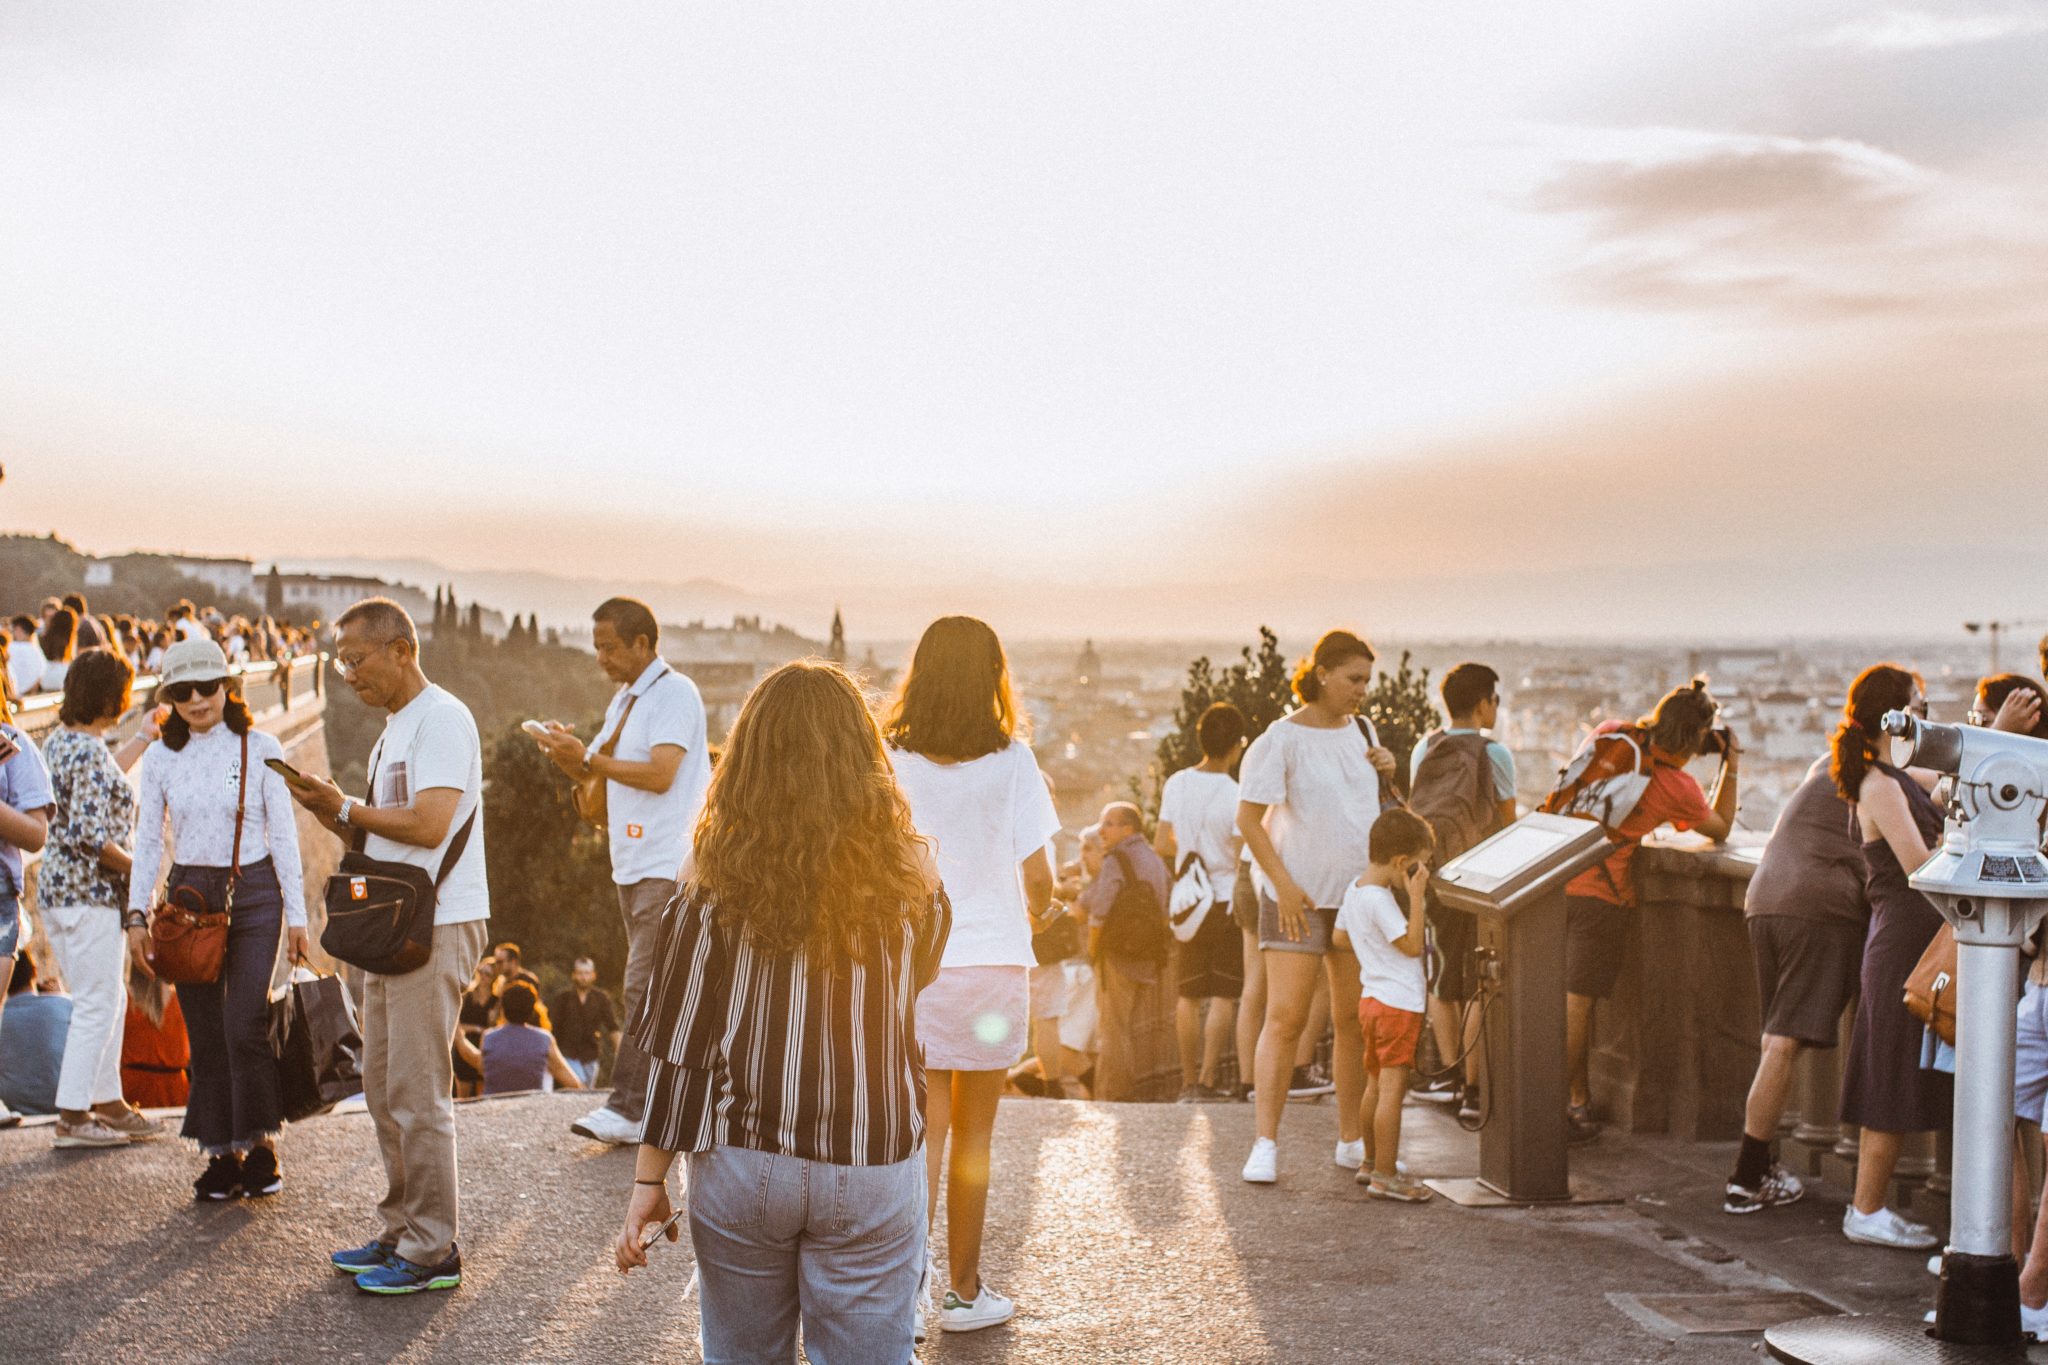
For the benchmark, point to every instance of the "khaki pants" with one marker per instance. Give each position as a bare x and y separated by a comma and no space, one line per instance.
1137,1056
408,1083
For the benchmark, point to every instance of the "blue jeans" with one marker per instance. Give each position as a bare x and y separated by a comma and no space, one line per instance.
586,1072
234,1097
780,1239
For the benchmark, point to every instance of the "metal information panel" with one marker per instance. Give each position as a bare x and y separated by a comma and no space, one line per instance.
1514,882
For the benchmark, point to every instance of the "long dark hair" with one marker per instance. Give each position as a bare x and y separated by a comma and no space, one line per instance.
1877,689
1992,692
956,701
60,635
178,731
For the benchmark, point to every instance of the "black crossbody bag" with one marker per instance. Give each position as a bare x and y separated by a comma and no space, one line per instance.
380,914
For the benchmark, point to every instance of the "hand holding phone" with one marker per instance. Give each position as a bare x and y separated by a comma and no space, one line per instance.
8,748
535,728
285,770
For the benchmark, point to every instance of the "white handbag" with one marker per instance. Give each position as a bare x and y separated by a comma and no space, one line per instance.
1191,898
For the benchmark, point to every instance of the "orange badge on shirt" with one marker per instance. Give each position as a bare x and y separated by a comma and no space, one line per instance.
632,831
358,889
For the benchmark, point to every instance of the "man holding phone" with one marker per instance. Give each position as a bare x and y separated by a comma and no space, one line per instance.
651,753
426,784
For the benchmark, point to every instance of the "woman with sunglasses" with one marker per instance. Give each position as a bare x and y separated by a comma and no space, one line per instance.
210,765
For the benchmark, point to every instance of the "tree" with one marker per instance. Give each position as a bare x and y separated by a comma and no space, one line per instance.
1401,710
1258,685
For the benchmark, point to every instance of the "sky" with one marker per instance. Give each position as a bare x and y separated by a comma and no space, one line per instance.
1449,320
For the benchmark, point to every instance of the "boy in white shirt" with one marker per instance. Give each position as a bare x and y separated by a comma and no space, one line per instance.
1393,995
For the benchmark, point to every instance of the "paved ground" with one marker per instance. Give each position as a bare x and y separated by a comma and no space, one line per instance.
1123,1232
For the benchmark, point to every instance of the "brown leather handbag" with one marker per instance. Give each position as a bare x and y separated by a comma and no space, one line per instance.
588,792
1931,987
188,938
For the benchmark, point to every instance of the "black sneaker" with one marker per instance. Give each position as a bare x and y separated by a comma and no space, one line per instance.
222,1178
1779,1186
260,1173
1468,1104
1307,1085
1581,1126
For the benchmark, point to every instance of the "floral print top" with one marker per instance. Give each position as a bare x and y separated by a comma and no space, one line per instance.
95,807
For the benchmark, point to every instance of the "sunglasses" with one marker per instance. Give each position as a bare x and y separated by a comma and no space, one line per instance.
179,693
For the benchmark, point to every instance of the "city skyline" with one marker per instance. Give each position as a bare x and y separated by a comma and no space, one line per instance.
1617,321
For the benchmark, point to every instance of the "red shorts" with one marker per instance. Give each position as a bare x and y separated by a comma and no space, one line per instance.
1390,1035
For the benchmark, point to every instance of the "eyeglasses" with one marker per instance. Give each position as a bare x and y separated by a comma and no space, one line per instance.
348,668
179,693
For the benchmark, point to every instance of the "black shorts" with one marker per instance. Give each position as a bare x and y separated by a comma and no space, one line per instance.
1212,962
1806,973
1595,939
1455,934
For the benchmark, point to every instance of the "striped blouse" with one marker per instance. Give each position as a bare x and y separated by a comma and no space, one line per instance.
771,1052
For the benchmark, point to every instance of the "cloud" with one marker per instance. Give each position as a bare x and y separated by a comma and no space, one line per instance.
1807,230
1918,30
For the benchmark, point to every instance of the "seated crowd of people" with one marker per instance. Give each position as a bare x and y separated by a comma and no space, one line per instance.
36,651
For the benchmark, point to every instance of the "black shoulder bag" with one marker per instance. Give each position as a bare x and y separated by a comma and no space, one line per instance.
1135,926
380,914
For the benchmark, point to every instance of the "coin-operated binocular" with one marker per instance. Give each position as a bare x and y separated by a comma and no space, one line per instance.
1990,883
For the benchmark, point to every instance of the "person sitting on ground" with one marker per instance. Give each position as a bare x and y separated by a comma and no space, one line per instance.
511,967
1807,914
1600,903
25,807
1388,941
1886,1091
479,1012
517,1054
32,1033
1462,781
156,1052
1198,819
1131,889
585,1022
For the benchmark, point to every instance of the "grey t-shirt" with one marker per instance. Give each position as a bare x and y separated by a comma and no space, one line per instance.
1812,869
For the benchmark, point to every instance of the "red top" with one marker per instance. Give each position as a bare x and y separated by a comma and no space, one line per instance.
1672,797
153,1059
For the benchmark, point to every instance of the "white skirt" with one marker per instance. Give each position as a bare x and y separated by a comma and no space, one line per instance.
975,1018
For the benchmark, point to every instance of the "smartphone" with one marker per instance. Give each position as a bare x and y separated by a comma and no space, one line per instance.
8,748
285,770
654,1235
535,728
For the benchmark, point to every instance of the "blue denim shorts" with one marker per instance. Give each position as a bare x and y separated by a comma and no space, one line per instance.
2030,1054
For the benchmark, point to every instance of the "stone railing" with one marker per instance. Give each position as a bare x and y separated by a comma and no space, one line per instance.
1676,1048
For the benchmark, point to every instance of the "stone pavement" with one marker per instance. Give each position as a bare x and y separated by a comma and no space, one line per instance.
1123,1232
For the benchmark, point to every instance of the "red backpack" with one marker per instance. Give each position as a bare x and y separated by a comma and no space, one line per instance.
1606,778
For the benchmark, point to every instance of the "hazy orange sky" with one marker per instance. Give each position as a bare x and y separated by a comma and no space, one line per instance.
1597,317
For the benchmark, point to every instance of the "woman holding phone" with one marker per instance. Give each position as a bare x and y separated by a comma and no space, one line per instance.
780,1025
1309,791
237,839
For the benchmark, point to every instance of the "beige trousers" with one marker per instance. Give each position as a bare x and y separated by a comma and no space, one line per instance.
408,1083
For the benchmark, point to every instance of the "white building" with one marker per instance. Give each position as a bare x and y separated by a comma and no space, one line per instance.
227,577
322,597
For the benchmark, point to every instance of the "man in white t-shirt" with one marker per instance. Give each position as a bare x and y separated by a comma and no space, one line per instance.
652,753
425,808
1198,820
25,661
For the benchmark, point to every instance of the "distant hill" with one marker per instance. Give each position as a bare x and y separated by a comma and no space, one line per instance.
36,567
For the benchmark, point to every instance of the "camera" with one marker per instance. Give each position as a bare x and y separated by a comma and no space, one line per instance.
1715,741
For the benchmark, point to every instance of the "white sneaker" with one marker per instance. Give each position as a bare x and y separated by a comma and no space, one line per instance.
8,1118
1351,1155
985,1309
91,1133
1262,1167
1886,1229
2034,1322
1934,1265
607,1125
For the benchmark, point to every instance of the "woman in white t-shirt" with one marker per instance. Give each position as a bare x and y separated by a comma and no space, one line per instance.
975,791
1309,790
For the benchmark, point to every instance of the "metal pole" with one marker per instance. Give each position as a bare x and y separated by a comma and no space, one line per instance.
1978,1302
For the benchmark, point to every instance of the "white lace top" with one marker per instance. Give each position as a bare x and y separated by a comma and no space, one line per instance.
195,787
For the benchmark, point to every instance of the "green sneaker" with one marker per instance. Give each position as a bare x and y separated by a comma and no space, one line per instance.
400,1276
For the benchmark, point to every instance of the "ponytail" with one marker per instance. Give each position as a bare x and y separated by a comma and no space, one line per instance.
1877,689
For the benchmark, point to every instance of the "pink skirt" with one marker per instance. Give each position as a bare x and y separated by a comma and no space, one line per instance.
975,1018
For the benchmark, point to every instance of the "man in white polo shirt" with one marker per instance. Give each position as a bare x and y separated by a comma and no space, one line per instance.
425,807
652,753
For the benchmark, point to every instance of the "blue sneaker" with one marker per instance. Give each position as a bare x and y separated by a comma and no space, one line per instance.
400,1276
357,1260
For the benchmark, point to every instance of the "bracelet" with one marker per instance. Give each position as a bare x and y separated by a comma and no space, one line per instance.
663,1181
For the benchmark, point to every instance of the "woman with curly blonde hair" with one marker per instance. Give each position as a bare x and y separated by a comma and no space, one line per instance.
782,1032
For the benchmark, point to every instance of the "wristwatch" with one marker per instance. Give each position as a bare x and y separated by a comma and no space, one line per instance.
341,816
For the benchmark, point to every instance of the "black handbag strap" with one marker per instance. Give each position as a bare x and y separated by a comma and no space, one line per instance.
455,845
1389,793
